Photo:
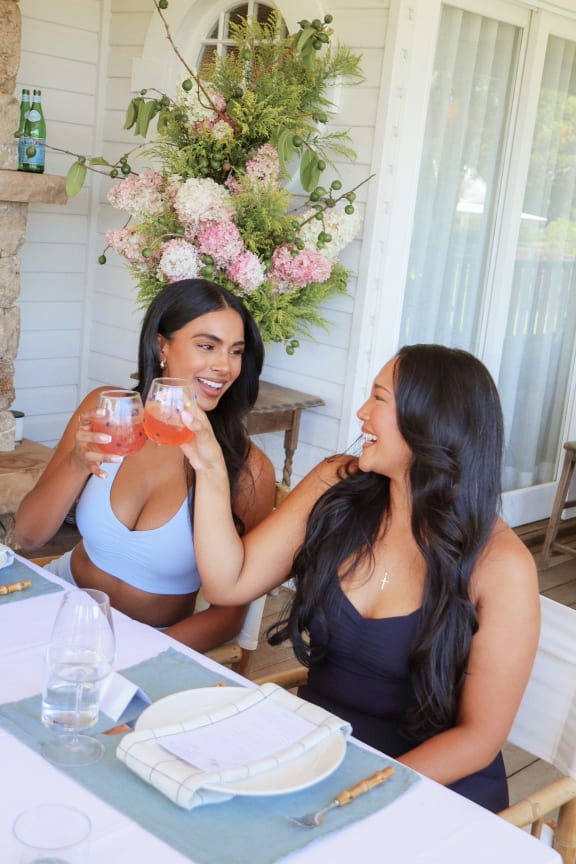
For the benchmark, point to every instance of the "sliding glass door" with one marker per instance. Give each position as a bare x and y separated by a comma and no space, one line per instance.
492,256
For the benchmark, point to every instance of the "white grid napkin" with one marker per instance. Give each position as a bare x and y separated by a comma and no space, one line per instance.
187,785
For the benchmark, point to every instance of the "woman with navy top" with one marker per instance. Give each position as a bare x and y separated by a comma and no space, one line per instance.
135,513
416,607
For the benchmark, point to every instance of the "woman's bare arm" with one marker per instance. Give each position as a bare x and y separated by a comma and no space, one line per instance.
255,499
44,508
234,569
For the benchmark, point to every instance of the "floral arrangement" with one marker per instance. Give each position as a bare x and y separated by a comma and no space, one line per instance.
215,203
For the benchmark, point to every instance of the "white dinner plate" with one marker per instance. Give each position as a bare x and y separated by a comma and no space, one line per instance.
298,773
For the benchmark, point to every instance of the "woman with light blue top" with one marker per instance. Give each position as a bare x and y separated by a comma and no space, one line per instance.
135,513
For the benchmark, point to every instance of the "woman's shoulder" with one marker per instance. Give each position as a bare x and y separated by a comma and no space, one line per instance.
328,473
505,563
258,464
504,542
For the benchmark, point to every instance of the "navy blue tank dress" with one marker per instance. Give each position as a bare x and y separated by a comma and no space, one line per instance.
364,679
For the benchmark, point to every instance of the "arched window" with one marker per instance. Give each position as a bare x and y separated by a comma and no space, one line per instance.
218,41
200,29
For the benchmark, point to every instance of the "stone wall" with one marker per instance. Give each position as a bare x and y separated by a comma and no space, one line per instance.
12,217
16,191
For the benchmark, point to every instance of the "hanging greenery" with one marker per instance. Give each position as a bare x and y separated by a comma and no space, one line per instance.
215,203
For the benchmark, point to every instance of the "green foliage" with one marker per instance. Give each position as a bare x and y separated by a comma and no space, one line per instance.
267,98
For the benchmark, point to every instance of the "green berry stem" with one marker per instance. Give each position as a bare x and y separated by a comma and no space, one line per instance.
201,89
333,201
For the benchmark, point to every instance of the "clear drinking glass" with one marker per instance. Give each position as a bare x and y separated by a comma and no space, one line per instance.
79,659
123,420
52,834
167,398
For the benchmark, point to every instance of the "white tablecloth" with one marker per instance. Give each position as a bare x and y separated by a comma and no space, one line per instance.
427,825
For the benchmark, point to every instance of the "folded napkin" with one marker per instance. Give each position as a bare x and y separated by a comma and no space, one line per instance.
6,556
188,785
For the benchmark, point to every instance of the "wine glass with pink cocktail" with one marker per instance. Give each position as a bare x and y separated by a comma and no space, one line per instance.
167,398
121,415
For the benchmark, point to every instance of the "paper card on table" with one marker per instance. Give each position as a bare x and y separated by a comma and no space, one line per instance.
262,730
120,696
6,556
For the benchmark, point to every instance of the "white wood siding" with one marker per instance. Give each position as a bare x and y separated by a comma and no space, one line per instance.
61,42
79,320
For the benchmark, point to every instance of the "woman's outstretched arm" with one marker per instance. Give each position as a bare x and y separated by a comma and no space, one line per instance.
253,502
233,569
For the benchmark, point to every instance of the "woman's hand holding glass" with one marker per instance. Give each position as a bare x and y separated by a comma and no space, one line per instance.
111,431
120,415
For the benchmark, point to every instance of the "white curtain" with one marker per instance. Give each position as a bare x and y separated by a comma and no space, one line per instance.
469,117
541,327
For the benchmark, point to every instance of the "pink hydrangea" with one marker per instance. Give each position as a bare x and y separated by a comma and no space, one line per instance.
247,271
232,184
221,240
300,269
127,243
140,195
179,260
265,165
203,200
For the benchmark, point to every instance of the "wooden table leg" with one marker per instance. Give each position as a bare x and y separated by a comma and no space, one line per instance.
290,444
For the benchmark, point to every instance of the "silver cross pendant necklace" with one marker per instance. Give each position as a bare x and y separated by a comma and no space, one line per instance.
385,580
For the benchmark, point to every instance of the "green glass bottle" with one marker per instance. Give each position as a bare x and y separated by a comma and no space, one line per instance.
24,109
34,138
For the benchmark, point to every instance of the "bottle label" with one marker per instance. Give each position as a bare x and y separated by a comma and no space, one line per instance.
34,115
38,157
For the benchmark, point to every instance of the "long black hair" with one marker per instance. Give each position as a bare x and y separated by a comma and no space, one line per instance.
449,413
175,306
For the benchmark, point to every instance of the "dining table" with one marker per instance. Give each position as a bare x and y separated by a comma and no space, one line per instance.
413,821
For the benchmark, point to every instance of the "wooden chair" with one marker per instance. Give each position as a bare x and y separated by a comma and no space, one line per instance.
545,726
561,503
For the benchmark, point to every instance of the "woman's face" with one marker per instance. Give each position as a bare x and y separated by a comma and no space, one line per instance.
207,350
384,450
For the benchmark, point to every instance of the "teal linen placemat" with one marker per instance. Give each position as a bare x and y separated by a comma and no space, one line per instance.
243,830
17,572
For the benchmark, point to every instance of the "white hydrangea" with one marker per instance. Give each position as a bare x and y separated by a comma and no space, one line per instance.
179,260
203,200
196,104
341,226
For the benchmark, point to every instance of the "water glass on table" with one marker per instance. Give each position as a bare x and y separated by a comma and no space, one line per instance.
78,661
121,418
52,834
166,400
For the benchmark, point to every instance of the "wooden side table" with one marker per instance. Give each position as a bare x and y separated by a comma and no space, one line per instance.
278,409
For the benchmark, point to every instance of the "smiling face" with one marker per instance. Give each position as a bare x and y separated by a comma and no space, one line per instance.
207,350
384,450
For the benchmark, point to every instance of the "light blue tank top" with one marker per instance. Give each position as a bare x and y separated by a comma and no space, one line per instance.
160,561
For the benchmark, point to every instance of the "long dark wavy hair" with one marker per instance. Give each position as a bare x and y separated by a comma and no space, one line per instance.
175,306
449,413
